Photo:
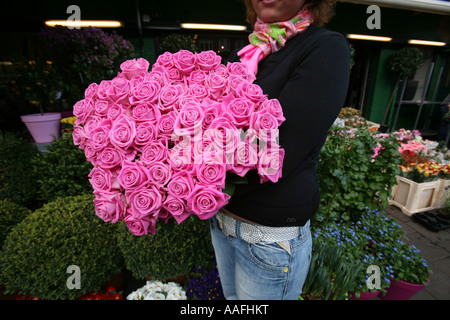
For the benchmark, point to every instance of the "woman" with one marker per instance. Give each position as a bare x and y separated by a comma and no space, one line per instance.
261,237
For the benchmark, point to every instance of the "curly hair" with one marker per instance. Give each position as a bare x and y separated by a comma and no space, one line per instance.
321,10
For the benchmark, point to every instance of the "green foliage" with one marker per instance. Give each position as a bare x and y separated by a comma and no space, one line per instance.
65,232
175,42
174,250
16,172
82,56
356,169
330,275
405,61
37,87
62,171
10,215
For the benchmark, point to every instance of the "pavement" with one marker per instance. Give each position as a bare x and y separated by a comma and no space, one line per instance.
435,249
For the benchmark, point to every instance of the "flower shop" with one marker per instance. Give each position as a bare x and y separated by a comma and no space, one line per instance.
62,214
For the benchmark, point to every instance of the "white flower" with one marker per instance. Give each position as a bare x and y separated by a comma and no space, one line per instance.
156,290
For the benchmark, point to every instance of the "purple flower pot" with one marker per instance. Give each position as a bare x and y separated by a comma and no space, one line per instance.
402,290
44,128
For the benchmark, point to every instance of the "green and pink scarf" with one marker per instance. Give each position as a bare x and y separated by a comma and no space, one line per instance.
271,37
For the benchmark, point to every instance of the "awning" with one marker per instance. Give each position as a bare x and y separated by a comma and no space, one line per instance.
431,6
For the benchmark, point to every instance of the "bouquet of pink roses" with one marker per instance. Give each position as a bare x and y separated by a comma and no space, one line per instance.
162,141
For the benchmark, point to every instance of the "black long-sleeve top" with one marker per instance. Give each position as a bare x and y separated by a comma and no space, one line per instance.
309,76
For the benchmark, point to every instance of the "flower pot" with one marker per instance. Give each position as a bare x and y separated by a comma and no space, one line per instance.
45,127
412,197
401,290
364,295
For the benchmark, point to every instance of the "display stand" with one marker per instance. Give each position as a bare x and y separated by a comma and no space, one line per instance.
420,102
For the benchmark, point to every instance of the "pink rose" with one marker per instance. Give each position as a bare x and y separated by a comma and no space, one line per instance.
144,201
273,106
145,132
160,173
174,74
186,99
197,77
133,175
102,88
115,110
140,226
78,136
123,132
181,185
82,110
154,151
147,91
100,135
90,153
177,208
137,80
216,84
180,159
169,96
270,164
221,70
198,91
164,60
91,91
245,158
239,69
109,206
92,123
211,174
165,125
233,83
184,60
101,107
146,112
250,91
118,90
159,76
103,179
224,135
134,67
206,201
263,121
109,158
240,110
207,60
189,118
212,110
164,215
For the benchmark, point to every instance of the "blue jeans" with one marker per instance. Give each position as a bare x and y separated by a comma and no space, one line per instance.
261,271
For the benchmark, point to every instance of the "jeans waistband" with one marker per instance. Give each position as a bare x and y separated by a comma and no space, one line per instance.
253,233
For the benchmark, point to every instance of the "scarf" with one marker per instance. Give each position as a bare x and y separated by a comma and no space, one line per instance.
271,37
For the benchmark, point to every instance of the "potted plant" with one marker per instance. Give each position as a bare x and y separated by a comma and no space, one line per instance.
422,179
411,273
37,91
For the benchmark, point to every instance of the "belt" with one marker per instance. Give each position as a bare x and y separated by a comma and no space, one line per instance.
253,233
